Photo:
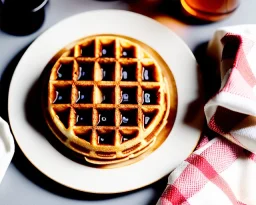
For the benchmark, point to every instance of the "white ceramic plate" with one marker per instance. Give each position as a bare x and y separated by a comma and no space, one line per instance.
179,144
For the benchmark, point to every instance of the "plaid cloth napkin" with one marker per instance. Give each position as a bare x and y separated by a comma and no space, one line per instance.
222,169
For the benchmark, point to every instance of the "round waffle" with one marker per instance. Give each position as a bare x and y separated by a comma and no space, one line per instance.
107,98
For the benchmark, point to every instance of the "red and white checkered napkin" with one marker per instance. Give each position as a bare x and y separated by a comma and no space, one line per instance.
222,170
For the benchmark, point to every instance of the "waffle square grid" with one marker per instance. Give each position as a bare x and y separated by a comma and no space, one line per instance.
106,92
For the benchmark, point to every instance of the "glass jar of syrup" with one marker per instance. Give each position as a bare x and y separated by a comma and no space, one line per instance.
209,10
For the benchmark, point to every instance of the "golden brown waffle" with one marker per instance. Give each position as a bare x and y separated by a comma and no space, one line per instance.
107,99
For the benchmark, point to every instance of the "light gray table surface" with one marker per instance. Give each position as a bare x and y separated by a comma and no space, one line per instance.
25,185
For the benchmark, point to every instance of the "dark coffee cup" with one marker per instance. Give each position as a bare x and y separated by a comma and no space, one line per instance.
22,17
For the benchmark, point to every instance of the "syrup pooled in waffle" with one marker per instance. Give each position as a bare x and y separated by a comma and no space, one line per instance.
107,99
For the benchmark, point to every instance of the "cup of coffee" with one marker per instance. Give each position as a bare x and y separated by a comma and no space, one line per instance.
21,17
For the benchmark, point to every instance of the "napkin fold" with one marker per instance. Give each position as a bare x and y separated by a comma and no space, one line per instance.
6,147
221,171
